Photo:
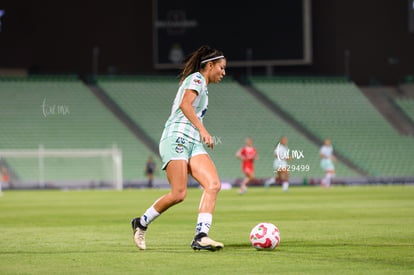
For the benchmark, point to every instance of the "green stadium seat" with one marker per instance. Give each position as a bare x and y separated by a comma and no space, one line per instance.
233,115
338,110
61,112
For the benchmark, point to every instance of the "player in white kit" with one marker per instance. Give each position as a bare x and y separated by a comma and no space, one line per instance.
280,165
327,162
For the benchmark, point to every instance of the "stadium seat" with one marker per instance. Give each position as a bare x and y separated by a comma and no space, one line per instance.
60,112
233,115
338,110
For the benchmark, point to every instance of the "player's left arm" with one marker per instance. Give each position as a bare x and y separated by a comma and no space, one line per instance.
188,110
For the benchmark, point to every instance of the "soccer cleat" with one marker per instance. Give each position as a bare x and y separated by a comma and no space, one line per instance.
242,190
202,242
139,233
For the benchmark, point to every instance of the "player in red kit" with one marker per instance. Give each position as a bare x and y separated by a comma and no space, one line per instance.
247,154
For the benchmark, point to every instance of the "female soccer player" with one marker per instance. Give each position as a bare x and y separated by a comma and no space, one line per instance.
280,165
247,154
181,148
327,162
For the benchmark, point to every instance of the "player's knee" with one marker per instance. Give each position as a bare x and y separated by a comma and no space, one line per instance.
214,186
179,196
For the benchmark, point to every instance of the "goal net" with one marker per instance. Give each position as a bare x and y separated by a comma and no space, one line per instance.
63,168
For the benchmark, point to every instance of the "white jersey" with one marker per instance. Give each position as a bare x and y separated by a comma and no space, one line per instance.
178,123
326,151
281,156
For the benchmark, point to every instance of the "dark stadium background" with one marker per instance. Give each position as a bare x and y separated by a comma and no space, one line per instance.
59,37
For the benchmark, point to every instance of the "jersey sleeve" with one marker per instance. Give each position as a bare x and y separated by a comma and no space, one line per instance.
195,83
242,152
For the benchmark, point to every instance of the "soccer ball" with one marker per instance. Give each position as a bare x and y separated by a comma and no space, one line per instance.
265,236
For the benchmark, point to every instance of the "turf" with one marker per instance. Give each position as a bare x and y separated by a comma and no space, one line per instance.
342,230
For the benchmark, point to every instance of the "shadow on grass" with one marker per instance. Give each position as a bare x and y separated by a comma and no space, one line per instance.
340,244
238,245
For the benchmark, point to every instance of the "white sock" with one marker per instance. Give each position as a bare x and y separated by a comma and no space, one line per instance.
203,223
329,178
269,182
285,185
149,216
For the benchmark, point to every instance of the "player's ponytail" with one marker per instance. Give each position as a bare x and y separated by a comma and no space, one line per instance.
198,59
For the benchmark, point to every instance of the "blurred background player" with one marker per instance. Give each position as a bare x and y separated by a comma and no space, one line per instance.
327,162
182,151
247,154
280,166
150,170
4,178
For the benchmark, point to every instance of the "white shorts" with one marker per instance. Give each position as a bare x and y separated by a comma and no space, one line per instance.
327,165
279,164
179,148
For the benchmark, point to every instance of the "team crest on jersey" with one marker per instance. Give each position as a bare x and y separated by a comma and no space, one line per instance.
179,148
197,81
180,145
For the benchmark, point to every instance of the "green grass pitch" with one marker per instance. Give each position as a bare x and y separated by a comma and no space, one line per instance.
342,230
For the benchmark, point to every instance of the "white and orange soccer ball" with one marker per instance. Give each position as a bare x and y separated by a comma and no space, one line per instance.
265,236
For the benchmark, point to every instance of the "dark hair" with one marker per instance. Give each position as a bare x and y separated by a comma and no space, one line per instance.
195,60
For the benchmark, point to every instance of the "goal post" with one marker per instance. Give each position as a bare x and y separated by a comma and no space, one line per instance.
64,166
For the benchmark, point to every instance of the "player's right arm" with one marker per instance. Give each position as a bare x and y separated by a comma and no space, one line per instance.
239,154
